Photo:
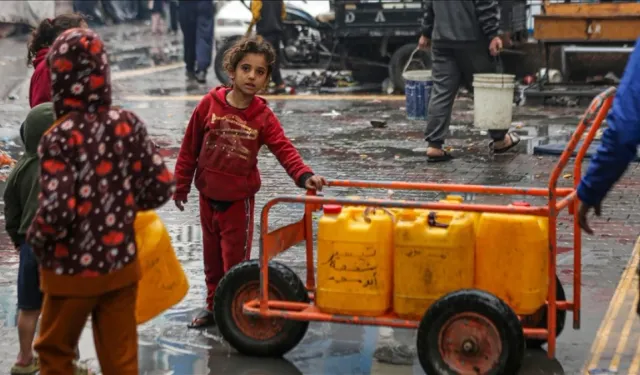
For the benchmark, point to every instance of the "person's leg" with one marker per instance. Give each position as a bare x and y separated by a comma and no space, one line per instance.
62,322
276,75
115,331
155,23
236,232
187,23
204,39
173,13
29,304
446,80
213,266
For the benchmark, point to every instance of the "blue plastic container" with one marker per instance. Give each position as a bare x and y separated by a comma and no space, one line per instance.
417,91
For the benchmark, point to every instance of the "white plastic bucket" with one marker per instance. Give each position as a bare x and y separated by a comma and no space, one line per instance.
493,100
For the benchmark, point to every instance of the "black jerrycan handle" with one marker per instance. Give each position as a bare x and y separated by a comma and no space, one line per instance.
431,220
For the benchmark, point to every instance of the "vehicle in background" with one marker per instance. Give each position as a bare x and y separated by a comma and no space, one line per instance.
305,38
233,17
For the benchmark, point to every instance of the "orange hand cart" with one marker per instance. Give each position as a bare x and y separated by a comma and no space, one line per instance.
262,308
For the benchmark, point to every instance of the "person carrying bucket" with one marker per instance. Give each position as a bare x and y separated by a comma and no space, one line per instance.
463,36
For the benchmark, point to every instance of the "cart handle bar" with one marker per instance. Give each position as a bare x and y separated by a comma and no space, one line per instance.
448,188
593,118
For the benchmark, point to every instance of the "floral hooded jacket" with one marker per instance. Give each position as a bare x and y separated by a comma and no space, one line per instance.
98,168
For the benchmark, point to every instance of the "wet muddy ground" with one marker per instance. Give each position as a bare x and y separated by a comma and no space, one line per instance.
336,139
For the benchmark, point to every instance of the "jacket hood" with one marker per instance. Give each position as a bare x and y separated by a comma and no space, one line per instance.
38,121
80,76
41,55
256,107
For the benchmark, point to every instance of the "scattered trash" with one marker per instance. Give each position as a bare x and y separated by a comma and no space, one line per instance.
395,353
6,160
315,80
333,113
379,124
13,97
567,176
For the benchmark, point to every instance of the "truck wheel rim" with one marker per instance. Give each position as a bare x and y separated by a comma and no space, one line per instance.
469,343
257,328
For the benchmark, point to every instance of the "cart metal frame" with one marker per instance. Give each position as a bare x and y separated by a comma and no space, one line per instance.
277,241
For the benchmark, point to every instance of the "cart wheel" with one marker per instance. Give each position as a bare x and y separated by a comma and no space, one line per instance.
255,336
539,319
470,332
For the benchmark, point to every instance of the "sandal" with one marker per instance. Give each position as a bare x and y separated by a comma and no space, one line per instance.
79,369
440,158
515,140
30,368
202,320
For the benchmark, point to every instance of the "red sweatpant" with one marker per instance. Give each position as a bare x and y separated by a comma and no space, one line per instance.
226,239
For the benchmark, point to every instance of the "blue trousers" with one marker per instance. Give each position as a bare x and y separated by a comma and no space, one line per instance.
196,21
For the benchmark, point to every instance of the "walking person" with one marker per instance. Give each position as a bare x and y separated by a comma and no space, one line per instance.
98,167
267,18
464,37
196,21
221,147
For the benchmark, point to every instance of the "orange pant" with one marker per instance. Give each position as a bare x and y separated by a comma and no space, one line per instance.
114,332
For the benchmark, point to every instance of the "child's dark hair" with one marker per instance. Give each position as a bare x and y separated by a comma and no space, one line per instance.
46,33
246,45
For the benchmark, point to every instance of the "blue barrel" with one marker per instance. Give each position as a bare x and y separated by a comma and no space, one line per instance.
417,91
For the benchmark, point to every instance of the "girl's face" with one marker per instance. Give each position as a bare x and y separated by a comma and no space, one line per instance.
251,74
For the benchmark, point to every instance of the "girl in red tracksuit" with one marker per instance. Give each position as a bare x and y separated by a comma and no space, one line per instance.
221,146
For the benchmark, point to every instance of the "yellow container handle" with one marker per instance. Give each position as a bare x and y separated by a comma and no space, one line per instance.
432,220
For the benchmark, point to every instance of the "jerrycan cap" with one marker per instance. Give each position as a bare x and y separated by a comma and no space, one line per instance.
521,204
331,209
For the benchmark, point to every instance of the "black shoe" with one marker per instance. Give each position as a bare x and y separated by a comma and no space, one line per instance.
201,77
191,76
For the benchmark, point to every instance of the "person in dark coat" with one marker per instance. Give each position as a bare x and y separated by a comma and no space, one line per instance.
464,37
196,21
267,18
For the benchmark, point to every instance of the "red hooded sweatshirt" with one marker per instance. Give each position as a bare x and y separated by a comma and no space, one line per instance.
40,87
221,146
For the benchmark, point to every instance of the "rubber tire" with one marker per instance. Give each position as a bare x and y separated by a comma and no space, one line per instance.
561,317
218,62
479,302
398,61
283,279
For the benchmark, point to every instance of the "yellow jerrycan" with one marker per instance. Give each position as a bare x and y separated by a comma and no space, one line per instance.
163,282
512,258
354,261
434,255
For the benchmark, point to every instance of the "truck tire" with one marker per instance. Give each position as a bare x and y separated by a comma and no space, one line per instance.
218,62
399,60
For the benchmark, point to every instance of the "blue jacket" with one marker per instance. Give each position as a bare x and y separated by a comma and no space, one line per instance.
620,140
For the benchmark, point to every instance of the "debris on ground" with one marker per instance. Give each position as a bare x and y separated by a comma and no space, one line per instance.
395,353
378,124
316,80
333,113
